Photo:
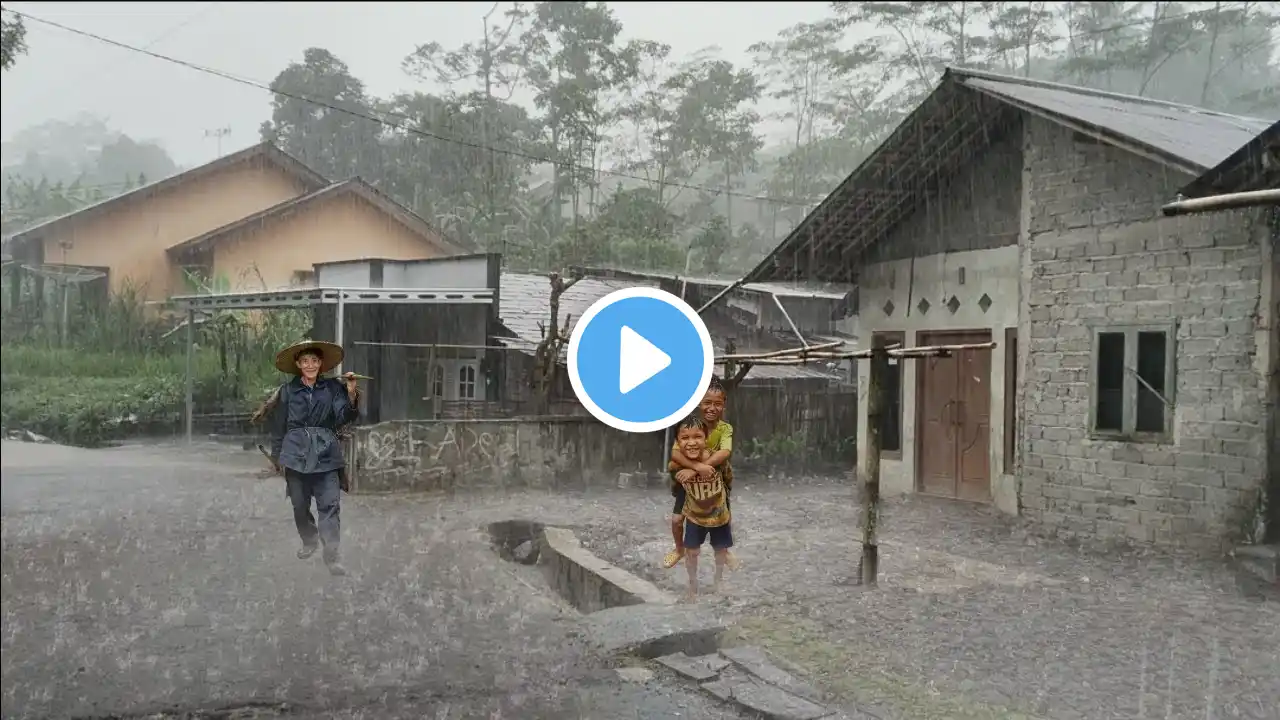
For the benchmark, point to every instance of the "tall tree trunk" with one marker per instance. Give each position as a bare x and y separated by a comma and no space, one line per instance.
484,125
556,209
728,199
1213,49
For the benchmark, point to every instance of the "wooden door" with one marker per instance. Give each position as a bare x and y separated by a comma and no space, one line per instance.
953,411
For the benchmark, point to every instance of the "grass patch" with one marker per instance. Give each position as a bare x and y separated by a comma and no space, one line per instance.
91,398
29,362
91,411
856,677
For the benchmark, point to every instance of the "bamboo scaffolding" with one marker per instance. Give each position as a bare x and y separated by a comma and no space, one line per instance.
796,356
879,354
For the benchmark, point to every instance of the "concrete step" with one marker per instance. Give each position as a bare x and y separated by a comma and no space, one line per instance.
749,678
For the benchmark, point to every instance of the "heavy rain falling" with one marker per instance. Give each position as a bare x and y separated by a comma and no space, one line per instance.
962,402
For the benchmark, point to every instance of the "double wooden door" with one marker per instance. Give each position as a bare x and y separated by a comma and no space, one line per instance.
953,414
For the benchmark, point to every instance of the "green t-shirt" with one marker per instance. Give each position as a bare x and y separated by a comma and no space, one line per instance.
720,438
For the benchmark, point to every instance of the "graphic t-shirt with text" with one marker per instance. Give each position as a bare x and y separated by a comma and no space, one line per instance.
705,501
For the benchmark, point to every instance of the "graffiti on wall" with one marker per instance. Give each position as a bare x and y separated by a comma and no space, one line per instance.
423,454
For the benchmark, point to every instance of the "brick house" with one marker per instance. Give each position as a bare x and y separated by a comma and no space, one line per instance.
1250,177
1128,393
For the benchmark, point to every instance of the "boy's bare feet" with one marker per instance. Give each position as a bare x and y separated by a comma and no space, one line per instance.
672,558
690,598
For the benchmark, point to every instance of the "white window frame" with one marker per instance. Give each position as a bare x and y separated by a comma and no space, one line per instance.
436,381
462,367
1129,387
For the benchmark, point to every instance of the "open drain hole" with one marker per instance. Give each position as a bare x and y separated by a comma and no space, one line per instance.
517,541
588,583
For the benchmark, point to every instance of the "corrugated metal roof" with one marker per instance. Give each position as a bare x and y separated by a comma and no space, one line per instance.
1179,136
1255,166
817,291
1198,136
820,291
524,302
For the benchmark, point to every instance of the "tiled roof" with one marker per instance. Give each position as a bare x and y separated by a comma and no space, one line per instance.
411,220
309,178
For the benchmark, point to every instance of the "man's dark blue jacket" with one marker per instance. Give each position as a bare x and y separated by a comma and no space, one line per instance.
305,422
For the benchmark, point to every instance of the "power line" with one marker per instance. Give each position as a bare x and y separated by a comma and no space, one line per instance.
506,151
399,126
167,33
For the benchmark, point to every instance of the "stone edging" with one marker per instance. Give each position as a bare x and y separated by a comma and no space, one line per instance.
624,615
589,583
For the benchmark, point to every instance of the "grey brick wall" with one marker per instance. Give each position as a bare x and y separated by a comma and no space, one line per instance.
1100,253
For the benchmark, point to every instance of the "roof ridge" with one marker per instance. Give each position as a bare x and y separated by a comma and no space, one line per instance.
266,147
962,72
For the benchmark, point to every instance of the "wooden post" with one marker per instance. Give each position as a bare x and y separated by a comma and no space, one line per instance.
730,366
431,383
869,565
188,419
869,453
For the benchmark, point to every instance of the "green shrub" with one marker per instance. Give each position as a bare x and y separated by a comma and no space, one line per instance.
90,411
89,398
72,363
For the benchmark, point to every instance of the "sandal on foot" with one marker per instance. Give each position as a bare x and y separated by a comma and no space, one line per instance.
672,558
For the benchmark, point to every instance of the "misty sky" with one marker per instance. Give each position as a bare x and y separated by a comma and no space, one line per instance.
63,74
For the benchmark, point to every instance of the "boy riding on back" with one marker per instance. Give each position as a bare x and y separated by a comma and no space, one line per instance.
719,444
706,506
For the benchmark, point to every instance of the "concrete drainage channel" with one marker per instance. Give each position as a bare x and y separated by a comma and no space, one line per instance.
626,616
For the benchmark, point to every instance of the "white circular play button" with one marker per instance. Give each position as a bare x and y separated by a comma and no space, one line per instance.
640,359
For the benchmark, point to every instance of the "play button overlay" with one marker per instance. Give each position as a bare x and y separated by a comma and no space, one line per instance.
640,359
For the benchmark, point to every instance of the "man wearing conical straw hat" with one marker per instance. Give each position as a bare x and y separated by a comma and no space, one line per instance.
305,445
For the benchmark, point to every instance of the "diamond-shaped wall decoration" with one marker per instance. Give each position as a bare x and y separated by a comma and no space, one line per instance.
923,306
888,307
984,302
953,304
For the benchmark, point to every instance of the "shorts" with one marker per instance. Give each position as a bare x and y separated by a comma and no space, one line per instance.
679,493
695,535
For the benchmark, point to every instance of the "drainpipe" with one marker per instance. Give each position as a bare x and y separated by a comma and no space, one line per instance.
1228,201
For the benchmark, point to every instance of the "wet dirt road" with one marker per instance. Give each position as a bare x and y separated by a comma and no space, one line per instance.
143,580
